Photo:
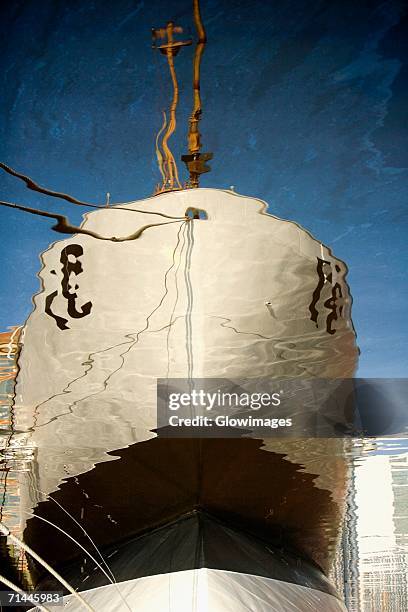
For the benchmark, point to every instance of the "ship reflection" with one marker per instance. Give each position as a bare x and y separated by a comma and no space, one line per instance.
233,293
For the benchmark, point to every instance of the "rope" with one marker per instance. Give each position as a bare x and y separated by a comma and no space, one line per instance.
6,531
63,196
17,589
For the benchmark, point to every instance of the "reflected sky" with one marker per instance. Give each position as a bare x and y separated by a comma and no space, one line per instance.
303,107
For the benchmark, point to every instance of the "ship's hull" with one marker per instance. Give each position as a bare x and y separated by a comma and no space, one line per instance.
207,590
200,563
240,294
234,293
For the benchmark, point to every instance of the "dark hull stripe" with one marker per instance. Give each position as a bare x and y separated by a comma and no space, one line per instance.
196,540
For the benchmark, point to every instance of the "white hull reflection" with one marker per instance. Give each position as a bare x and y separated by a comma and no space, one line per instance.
207,590
235,293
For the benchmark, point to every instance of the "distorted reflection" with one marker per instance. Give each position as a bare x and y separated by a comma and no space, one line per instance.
230,293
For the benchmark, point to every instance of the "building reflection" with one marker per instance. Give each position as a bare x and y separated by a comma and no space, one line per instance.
16,453
375,551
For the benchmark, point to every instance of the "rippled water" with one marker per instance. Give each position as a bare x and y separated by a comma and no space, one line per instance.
238,293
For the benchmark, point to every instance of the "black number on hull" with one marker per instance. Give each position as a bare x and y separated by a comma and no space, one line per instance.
331,303
68,289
